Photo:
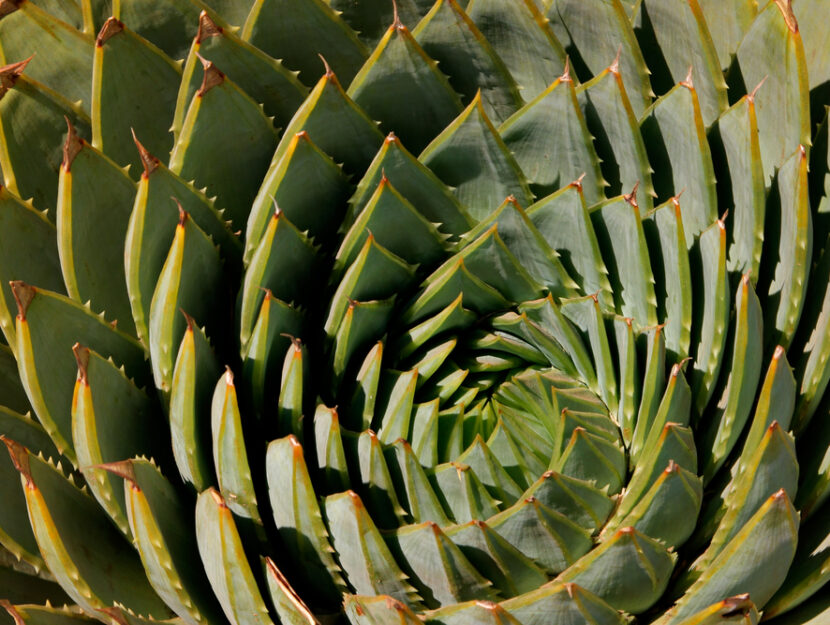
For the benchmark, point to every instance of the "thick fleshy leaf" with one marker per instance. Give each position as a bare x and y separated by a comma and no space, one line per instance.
403,88
230,457
620,232
568,603
27,252
772,51
296,31
226,565
63,59
617,138
755,561
89,557
191,273
112,420
33,127
299,522
675,136
48,325
727,21
592,33
523,38
551,142
223,119
93,265
119,102
378,610
160,523
683,37
449,36
263,78
470,157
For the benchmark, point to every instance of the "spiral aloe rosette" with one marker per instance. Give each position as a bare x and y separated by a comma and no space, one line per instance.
510,313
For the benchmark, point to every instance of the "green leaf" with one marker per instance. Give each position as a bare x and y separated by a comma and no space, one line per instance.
170,26
89,557
48,325
191,391
727,22
722,427
683,37
27,252
564,602
371,18
299,522
755,561
449,36
437,567
378,610
593,32
375,482
225,563
647,565
772,51
416,183
462,494
576,499
711,312
785,269
230,457
40,615
33,127
331,455
551,142
160,525
521,35
295,373
470,157
471,613
308,186
422,501
402,87
675,137
152,228
263,78
64,56
296,31
112,419
562,219
192,272
224,119
92,264
738,610
617,138
362,552
288,604
736,153
119,96
620,232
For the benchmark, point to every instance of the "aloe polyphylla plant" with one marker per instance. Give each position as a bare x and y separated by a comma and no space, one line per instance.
509,313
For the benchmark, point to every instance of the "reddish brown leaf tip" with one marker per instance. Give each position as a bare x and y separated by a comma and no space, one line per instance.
9,6
786,8
687,82
391,138
751,96
20,458
217,497
739,604
228,376
207,28
82,358
779,495
23,295
150,162
631,198
488,605
566,73
123,469
329,74
571,589
10,73
625,531
183,216
72,146
110,28
577,184
212,77
614,68
672,468
4,603
396,19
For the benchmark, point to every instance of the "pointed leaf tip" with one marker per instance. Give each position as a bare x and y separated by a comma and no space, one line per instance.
207,28
212,77
20,458
110,28
23,295
82,358
9,6
10,73
739,604
73,145
5,603
786,8
150,162
123,469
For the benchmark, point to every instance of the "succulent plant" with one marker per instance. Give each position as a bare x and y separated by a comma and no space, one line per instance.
513,313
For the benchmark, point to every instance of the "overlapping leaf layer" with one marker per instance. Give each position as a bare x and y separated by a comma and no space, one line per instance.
506,313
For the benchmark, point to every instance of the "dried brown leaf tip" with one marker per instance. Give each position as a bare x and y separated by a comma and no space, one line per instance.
20,459
786,8
150,162
23,295
72,146
207,28
212,78
10,73
9,6
82,358
110,28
